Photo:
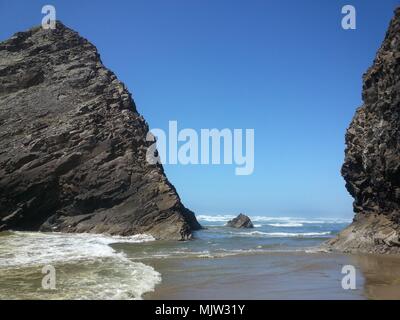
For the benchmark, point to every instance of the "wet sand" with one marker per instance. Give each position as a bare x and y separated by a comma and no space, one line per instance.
277,276
381,274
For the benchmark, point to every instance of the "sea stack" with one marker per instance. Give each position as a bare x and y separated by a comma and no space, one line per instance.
241,221
372,161
73,146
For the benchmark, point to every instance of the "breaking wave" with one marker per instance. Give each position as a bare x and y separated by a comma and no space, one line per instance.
289,224
99,272
283,234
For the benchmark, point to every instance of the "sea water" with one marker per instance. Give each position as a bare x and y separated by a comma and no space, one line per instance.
110,267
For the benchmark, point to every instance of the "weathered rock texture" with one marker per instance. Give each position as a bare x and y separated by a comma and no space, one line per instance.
241,221
73,146
372,162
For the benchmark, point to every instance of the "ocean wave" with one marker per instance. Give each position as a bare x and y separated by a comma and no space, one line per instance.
216,218
282,234
203,254
36,248
103,272
289,224
223,253
277,220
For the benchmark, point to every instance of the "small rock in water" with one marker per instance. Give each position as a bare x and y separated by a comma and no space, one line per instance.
241,221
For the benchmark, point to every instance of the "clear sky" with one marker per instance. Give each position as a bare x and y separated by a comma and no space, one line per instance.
285,68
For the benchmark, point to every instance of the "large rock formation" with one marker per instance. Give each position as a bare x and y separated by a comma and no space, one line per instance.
73,146
372,162
240,222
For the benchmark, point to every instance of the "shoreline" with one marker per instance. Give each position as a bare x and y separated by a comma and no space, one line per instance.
239,267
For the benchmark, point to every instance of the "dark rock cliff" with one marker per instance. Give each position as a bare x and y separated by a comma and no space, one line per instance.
372,162
73,146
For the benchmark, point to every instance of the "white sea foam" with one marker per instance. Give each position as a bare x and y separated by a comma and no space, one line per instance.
103,273
316,250
35,248
216,218
289,224
282,234
207,254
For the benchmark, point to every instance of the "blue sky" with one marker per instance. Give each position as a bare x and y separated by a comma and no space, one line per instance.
285,68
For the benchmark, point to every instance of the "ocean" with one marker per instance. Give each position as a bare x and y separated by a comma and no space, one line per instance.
89,266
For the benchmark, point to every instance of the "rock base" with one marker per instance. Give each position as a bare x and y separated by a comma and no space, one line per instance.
367,234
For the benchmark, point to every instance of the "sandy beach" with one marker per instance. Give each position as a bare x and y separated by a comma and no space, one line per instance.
277,276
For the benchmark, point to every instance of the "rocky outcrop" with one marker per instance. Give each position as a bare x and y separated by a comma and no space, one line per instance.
241,221
73,146
372,163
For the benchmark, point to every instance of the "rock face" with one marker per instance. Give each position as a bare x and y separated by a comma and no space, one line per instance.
241,221
372,163
73,146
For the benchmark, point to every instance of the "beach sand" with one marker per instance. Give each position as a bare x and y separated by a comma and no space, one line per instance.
277,276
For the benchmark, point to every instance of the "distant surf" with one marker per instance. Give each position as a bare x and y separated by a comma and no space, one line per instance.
289,224
285,234
275,221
